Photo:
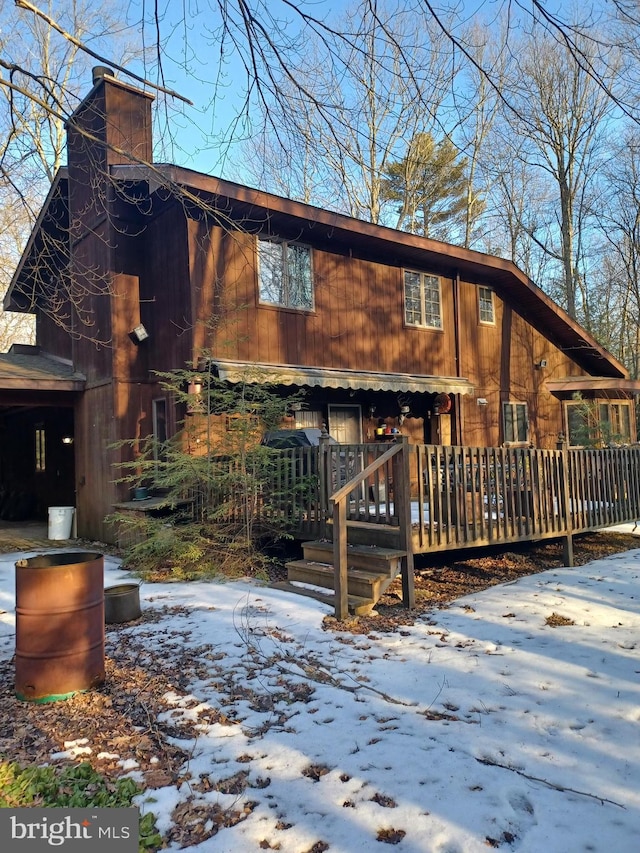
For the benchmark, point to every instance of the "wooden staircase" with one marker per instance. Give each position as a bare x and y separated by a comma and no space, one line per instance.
365,557
371,569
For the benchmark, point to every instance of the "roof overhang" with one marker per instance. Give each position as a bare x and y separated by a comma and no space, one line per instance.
25,368
46,252
593,386
328,377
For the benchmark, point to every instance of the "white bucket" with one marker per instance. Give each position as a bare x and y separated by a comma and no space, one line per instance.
60,521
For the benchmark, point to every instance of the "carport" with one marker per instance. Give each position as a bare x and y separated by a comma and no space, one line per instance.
38,396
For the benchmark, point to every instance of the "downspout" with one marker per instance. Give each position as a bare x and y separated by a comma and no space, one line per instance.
456,339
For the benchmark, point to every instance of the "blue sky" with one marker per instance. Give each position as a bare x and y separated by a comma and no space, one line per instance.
206,135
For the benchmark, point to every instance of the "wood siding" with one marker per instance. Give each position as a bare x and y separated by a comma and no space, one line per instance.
358,316
500,361
358,322
94,436
53,337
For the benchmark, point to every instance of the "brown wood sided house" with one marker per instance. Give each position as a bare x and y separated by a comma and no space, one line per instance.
130,261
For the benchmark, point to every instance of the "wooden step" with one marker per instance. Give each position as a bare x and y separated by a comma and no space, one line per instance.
370,533
360,583
358,606
368,557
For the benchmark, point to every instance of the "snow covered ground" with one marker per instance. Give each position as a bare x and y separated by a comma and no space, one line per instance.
482,726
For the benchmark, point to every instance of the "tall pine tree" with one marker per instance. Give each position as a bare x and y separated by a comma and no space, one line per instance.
430,186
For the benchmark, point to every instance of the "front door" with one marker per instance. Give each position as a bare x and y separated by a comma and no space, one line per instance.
345,423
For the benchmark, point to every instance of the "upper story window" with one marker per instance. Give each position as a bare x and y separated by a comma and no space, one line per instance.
285,274
486,311
515,423
422,300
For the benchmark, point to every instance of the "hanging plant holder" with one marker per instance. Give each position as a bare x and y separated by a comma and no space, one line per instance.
442,404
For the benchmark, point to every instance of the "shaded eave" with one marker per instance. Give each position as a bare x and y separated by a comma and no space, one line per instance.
593,386
52,220
354,380
26,368
343,234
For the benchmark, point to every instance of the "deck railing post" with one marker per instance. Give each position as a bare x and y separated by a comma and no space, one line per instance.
515,496
340,559
402,509
324,480
567,548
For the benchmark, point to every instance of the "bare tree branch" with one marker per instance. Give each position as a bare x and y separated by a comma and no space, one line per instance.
24,4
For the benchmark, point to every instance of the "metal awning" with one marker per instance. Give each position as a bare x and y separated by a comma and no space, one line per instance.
328,377
609,386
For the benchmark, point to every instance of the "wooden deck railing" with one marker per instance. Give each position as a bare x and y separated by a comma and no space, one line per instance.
463,497
482,496
455,497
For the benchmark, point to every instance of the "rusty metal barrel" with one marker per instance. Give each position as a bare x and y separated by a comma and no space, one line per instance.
59,625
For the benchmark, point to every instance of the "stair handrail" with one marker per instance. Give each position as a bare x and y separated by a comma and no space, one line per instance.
339,512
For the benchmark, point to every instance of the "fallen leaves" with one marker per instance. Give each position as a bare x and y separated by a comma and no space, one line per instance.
316,771
390,836
385,802
556,620
194,822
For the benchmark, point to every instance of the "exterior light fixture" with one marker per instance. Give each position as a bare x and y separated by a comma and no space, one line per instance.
139,334
67,439
195,403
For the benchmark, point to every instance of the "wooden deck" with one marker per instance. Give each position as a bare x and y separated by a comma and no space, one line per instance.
460,496
415,499
426,498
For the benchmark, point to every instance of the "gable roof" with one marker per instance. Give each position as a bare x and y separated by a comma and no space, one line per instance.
255,210
49,238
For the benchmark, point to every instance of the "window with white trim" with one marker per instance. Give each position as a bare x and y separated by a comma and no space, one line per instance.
285,274
486,313
422,300
515,423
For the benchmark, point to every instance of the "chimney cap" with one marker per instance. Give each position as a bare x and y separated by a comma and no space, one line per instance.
100,71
